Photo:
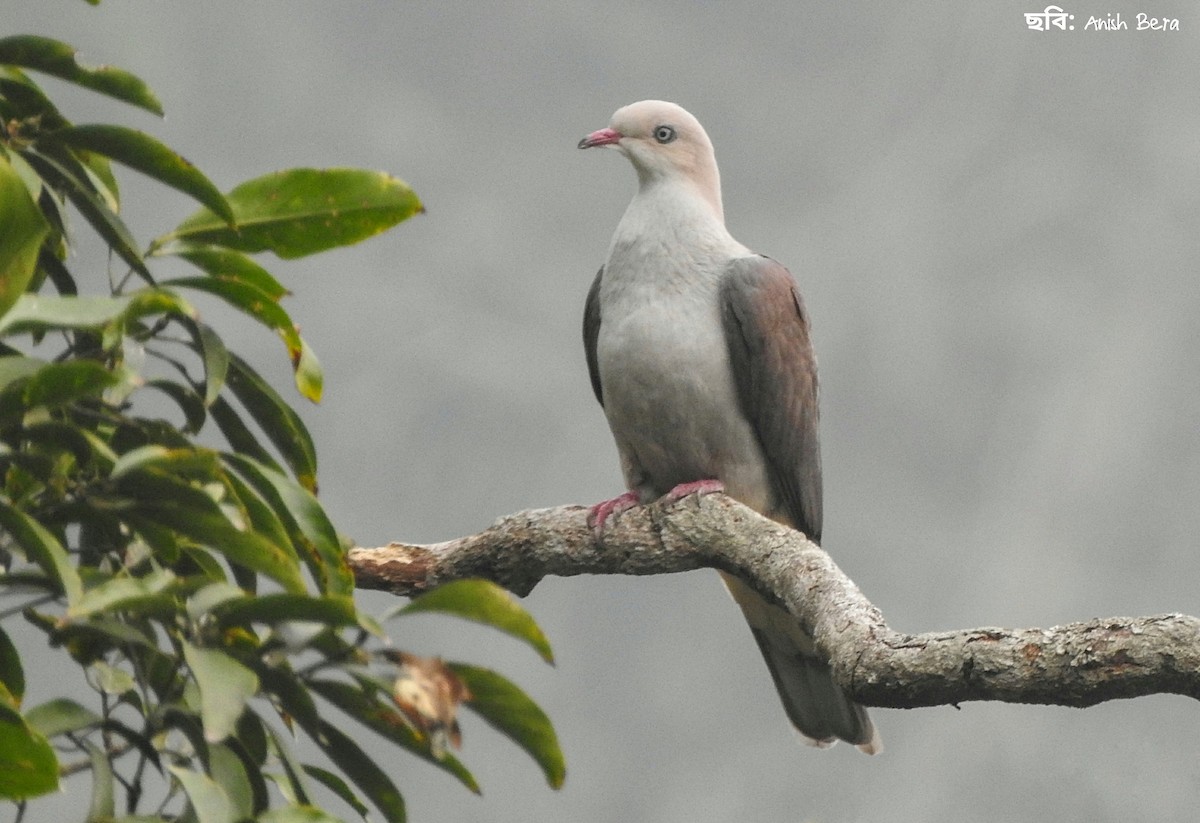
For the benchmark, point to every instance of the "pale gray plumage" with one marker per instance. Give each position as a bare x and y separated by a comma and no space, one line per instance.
699,352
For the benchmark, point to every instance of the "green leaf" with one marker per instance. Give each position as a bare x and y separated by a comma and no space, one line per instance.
248,549
209,597
299,814
241,440
43,549
141,152
225,686
209,801
310,379
167,500
252,737
57,272
261,517
24,100
361,768
16,367
57,436
112,679
238,777
133,594
53,268
22,230
259,305
58,60
92,206
35,313
296,788
227,264
303,211
60,716
103,804
92,639
212,351
99,171
510,711
278,420
250,300
290,693
208,567
307,524
192,463
28,767
50,385
339,787
182,718
12,675
58,384
386,721
279,608
482,602
189,402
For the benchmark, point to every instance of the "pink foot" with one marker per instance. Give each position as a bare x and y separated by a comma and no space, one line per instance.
695,487
605,509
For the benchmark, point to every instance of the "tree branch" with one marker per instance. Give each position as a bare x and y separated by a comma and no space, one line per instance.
1079,664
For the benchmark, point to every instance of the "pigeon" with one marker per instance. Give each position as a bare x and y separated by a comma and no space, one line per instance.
699,352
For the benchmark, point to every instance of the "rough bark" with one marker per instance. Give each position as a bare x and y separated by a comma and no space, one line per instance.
1078,664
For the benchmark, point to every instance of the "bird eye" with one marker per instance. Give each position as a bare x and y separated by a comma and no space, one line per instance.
664,134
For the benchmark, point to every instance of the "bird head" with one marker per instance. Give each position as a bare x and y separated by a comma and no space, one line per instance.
664,142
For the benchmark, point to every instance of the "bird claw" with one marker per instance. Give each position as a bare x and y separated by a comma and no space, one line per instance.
710,486
598,515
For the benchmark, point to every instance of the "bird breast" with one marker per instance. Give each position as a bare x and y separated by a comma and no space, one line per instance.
669,392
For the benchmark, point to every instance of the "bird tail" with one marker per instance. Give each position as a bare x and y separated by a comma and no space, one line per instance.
819,709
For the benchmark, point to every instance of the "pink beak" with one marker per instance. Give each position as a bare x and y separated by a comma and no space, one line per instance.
604,137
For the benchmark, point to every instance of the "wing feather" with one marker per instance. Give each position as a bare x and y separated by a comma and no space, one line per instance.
591,332
775,371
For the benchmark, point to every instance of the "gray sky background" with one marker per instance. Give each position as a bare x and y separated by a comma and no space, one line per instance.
996,234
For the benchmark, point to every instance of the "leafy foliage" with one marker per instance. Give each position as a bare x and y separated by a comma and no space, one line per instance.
201,590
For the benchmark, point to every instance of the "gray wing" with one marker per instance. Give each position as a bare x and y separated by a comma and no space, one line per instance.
767,332
591,331
775,372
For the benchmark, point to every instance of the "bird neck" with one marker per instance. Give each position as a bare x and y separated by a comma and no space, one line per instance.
683,193
675,208
669,234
